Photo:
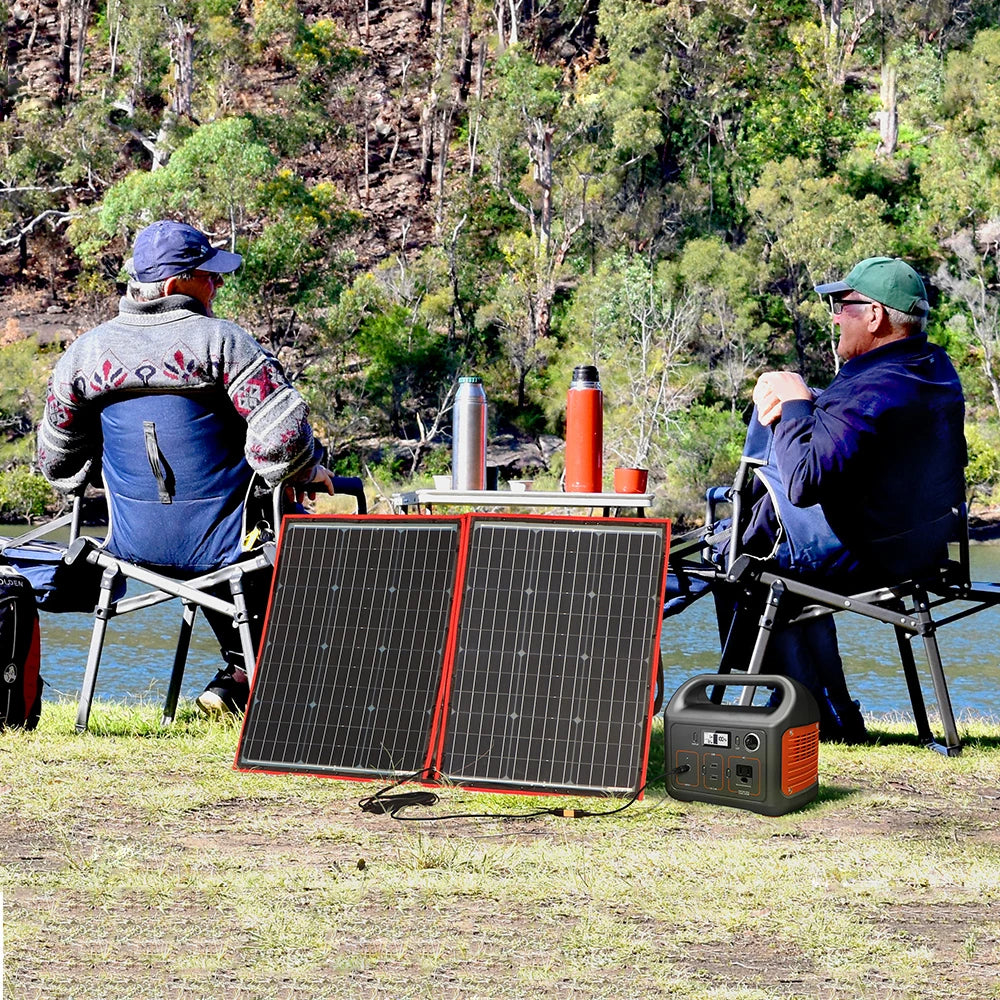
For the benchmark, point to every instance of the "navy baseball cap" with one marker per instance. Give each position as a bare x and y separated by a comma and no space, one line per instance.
166,248
888,280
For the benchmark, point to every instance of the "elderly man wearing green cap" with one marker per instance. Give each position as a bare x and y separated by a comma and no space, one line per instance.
877,459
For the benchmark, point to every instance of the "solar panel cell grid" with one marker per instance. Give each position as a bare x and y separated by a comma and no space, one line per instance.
553,666
554,644
354,647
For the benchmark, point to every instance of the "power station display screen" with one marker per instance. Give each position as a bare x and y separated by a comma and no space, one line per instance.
715,739
555,655
354,647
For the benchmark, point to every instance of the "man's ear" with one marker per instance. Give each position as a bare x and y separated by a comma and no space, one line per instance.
879,318
169,285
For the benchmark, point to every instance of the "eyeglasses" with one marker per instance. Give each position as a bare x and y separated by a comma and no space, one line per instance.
216,279
837,305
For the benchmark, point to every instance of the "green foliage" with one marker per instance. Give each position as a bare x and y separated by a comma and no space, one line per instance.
960,178
295,263
22,395
24,493
437,462
407,366
388,358
347,465
638,326
982,474
799,114
812,231
317,52
707,444
275,20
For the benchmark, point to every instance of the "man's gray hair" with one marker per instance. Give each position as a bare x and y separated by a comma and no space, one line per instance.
147,291
906,323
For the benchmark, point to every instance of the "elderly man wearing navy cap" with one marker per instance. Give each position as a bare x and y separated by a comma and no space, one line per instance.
879,454
166,338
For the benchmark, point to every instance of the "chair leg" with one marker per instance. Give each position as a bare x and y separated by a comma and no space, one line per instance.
953,743
916,693
767,620
243,624
102,613
180,659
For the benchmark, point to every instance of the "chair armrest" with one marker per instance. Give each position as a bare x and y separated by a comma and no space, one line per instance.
352,486
78,549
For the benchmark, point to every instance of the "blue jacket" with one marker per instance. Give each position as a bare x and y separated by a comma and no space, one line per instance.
882,452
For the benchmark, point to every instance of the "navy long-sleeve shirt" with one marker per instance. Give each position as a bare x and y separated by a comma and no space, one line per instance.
882,451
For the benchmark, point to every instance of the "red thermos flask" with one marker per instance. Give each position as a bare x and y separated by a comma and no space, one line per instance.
584,432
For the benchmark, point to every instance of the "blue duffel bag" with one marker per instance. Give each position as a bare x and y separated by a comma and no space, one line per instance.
57,587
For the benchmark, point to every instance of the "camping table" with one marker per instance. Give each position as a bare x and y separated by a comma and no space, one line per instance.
492,499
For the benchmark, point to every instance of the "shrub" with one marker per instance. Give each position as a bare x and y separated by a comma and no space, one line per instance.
24,493
982,474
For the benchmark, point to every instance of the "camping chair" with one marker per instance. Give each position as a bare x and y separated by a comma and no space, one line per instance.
908,606
185,517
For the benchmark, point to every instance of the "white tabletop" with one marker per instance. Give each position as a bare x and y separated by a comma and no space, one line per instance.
527,498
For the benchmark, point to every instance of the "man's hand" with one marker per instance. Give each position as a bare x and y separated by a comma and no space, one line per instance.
320,478
773,389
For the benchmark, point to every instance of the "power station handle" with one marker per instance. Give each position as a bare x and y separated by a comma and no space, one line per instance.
694,692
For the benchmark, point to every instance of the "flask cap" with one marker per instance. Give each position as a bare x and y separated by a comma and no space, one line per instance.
473,378
586,373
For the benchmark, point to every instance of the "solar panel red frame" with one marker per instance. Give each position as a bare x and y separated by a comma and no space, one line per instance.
550,684
354,644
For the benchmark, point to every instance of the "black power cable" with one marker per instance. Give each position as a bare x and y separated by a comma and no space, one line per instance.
383,803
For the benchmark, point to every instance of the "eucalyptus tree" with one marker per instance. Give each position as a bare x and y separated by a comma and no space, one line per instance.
639,325
732,337
810,230
534,136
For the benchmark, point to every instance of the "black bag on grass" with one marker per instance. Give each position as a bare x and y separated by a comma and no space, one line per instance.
20,652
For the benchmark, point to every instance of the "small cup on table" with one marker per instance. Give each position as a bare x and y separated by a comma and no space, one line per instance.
631,480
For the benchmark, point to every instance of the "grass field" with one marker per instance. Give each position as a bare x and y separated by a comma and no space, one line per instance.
135,863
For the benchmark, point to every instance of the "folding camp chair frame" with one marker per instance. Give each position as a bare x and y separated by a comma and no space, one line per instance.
193,593
909,606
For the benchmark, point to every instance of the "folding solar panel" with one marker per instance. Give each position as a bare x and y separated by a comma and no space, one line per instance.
551,683
494,651
353,650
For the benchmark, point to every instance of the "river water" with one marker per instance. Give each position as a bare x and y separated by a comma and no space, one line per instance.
138,654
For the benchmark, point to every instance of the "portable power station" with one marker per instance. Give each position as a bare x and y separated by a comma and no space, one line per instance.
763,758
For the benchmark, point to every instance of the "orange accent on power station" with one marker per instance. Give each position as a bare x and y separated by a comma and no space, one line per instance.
799,758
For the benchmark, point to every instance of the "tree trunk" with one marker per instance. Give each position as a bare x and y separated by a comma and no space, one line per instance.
82,11
888,118
114,34
542,147
182,57
63,48
464,72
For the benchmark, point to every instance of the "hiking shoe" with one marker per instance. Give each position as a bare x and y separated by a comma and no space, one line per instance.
225,695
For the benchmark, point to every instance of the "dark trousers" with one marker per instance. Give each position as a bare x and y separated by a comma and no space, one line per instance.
806,651
256,587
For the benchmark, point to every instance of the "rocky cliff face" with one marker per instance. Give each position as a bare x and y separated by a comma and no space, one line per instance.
424,64
397,110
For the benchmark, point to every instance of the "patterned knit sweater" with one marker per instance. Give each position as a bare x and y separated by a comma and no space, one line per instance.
170,344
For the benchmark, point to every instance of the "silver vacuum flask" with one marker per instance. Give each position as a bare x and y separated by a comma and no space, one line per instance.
468,448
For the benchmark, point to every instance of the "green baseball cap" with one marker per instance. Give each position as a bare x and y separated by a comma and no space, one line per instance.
888,280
